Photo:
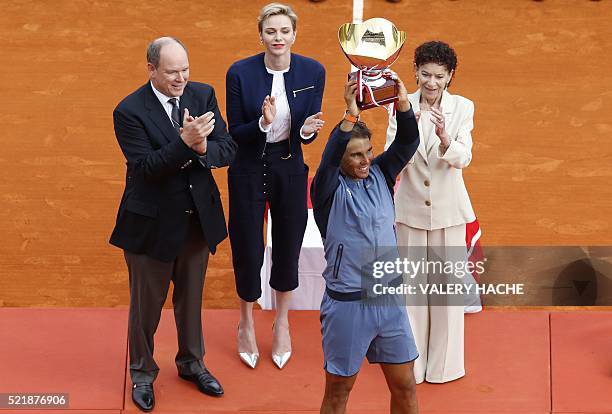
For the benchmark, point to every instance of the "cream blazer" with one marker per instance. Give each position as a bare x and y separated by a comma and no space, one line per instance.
431,193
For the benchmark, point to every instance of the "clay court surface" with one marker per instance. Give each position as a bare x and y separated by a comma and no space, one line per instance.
538,72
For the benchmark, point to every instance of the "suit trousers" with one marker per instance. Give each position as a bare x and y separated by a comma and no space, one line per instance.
437,322
282,183
149,283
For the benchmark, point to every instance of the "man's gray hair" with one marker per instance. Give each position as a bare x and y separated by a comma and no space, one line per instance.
154,48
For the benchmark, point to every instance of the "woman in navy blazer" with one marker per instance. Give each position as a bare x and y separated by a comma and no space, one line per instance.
273,107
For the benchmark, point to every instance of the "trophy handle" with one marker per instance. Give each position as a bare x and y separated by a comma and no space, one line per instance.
360,85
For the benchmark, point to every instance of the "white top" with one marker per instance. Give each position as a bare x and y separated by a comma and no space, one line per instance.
281,125
163,99
280,128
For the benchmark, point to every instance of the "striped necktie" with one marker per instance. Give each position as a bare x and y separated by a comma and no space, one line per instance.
175,115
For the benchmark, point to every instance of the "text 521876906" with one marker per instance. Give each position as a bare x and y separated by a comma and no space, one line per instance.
17,400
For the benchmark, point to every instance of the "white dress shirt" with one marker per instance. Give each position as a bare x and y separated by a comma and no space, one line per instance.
163,99
280,128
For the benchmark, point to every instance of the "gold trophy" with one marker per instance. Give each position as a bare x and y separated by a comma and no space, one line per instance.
372,46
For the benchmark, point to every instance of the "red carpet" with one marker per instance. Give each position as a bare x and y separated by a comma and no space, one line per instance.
581,362
78,351
508,359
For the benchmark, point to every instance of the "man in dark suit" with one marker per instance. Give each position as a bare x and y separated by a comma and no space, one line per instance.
170,217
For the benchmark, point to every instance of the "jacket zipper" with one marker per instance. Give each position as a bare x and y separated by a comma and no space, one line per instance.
300,90
338,260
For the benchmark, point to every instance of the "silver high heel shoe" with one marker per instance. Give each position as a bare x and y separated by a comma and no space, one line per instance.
280,360
249,358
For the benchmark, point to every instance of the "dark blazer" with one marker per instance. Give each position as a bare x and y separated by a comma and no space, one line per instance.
165,178
248,83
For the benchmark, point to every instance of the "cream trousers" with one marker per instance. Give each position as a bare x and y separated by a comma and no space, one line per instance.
437,328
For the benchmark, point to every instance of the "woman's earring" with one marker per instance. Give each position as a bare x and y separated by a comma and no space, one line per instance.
416,78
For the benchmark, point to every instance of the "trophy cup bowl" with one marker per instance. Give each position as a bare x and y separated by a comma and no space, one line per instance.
372,46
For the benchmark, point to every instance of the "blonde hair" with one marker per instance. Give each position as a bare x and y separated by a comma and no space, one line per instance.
274,9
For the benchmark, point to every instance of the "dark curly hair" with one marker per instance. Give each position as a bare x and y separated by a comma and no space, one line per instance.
361,130
436,52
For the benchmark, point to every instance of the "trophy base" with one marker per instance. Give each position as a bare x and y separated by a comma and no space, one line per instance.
383,94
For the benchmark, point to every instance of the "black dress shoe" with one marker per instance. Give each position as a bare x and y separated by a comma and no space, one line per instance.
143,397
206,383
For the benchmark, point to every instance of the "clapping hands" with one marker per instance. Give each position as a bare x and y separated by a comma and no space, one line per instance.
268,109
437,117
313,124
195,130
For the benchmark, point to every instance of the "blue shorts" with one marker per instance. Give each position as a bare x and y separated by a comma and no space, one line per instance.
353,330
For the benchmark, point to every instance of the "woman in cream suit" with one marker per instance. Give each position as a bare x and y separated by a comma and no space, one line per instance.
432,207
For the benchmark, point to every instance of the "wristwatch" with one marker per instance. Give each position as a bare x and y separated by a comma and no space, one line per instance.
350,118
